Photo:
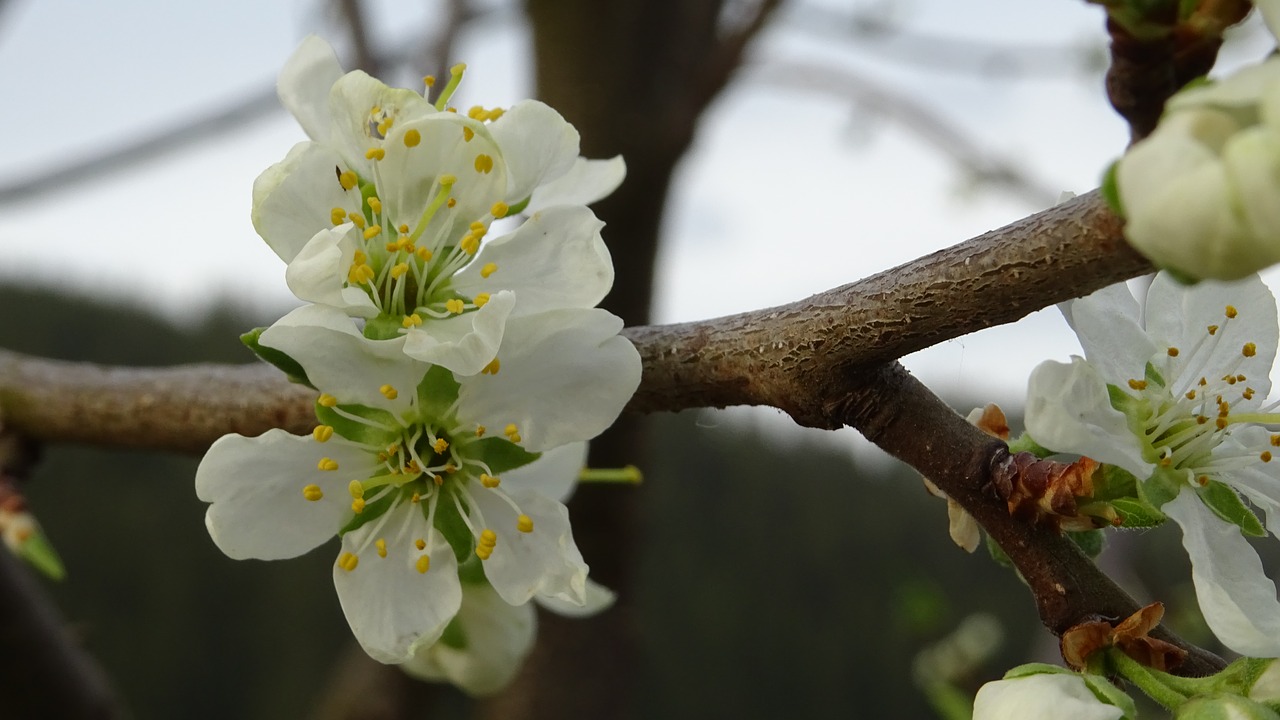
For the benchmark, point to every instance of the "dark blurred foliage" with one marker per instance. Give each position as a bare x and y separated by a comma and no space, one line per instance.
779,577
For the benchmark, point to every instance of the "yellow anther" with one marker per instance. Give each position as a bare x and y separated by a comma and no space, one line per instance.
429,80
1201,419
480,430
424,563
381,545
470,244
359,258
348,561
451,203
515,438
524,524
483,552
412,467
357,505
438,480
415,499
450,468
1249,350
372,232
1221,423
454,306
322,433
388,392
1191,395
488,269
375,204
327,400
348,180
413,320
375,153
448,179
404,229
1138,384
476,112
499,209
1213,329
375,109
489,481
484,164
1202,480
356,219
1202,382
1173,352
327,464
481,300
364,274
510,429
399,269
338,216
420,544
440,445
492,368
1231,379
477,227
392,246
496,113
412,138
1242,378
1265,456
423,254
467,134
1247,394
312,492
1275,441
488,537
356,488
1231,311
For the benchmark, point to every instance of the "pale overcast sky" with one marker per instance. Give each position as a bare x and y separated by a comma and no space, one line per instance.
787,192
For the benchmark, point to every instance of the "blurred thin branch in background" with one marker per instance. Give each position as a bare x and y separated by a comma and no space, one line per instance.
931,127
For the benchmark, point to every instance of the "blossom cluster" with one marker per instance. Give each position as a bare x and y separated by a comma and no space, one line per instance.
459,377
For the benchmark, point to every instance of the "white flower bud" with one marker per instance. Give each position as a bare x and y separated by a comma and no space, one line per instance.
1054,696
1224,707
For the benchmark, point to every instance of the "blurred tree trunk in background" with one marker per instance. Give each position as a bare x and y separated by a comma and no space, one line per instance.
633,76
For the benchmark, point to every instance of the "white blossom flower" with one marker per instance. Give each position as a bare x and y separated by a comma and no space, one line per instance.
1044,696
383,211
405,467
1199,194
1174,393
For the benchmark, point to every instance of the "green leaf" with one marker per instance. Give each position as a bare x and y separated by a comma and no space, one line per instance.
1111,482
286,364
383,431
1111,189
500,454
1090,541
372,511
39,553
1227,505
436,393
1137,514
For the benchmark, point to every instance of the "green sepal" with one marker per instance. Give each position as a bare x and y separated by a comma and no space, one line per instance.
501,454
1037,669
1112,482
372,511
1025,443
1111,189
437,392
1091,542
518,207
386,432
454,635
383,327
1120,400
39,554
1153,376
1227,505
1110,694
1182,278
1163,486
1137,514
287,365
456,532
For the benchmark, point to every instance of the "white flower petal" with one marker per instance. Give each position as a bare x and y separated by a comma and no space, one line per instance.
1057,696
585,183
255,485
599,598
1109,326
565,375
538,146
498,638
543,562
318,273
556,259
1236,596
465,343
352,101
391,607
304,85
294,198
410,174
340,360
554,475
1068,410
